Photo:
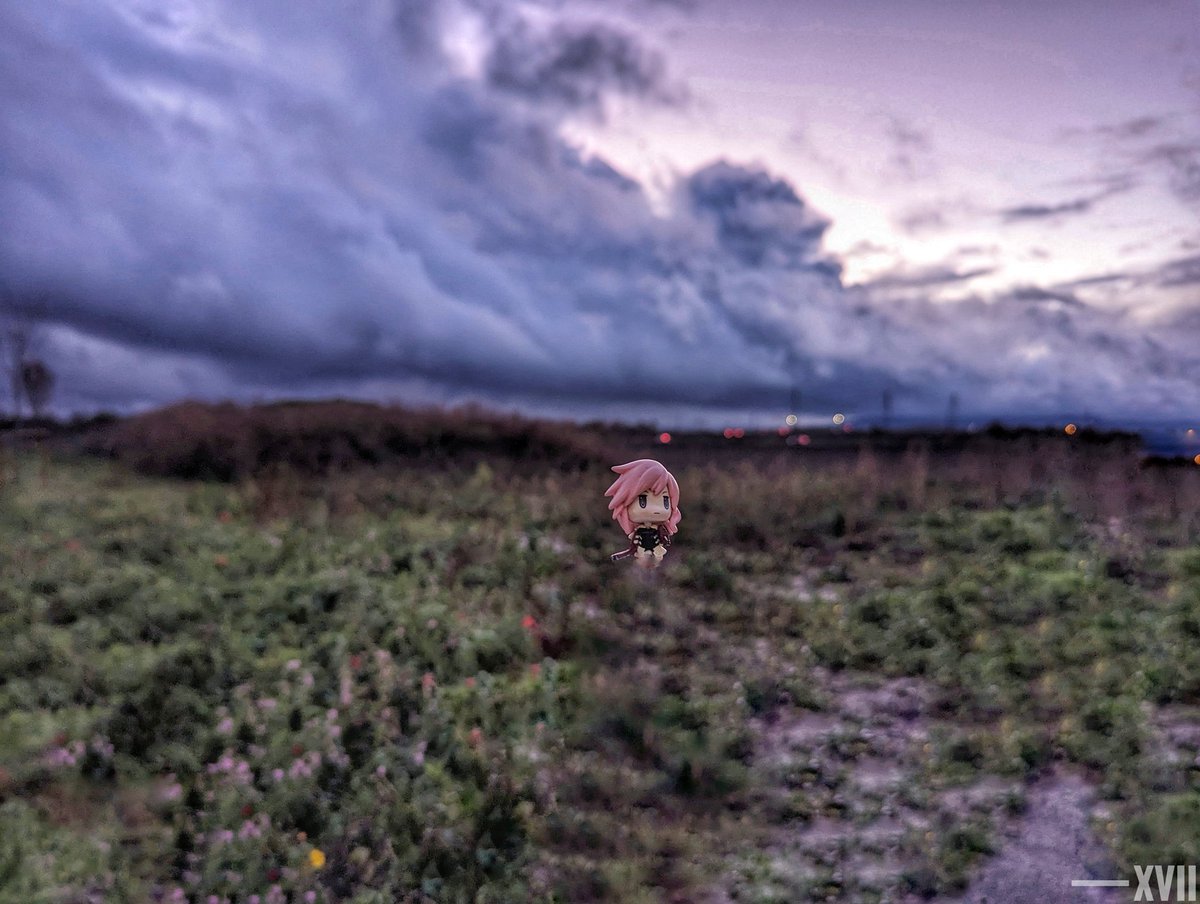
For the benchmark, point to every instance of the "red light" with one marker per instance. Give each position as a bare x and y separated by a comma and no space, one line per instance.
664,438
728,433
739,432
784,431
805,439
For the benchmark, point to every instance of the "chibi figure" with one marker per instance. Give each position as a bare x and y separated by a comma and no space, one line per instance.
645,502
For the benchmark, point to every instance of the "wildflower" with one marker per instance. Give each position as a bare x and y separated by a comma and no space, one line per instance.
476,736
535,669
356,662
428,683
267,703
419,753
381,771
292,665
221,560
74,545
470,682
310,897
277,774
275,895
225,517
172,790
249,829
529,623
225,726
316,857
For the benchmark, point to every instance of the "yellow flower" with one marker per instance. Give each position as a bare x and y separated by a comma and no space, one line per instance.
316,857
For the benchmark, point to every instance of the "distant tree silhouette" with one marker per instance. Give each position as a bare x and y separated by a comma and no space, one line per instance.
14,345
20,335
37,381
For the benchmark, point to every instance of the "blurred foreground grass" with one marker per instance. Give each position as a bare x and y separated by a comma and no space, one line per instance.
432,685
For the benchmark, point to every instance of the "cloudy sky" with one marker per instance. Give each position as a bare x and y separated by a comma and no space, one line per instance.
674,210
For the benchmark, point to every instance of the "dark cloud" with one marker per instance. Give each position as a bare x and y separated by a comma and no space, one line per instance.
1181,161
1163,146
577,65
760,219
1181,272
929,276
1042,211
1036,294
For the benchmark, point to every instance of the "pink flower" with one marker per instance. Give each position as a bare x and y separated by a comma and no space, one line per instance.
249,829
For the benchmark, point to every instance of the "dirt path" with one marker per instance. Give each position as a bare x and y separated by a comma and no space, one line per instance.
1050,844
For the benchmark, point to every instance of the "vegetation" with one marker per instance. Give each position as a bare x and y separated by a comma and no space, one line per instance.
427,683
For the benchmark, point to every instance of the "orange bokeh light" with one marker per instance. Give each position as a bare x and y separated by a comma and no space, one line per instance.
1070,429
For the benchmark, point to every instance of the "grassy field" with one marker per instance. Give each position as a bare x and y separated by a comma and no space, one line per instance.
862,682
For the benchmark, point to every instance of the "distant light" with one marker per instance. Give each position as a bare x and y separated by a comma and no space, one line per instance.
1197,459
664,438
1191,431
784,431
738,432
846,428
727,433
805,439
791,420
1070,429
839,418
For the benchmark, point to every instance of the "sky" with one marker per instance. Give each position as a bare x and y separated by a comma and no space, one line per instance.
676,211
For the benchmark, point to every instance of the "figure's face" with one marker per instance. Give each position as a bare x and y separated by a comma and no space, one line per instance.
650,508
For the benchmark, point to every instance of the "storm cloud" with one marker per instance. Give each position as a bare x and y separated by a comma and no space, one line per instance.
224,199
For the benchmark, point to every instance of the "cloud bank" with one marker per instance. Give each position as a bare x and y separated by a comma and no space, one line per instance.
245,199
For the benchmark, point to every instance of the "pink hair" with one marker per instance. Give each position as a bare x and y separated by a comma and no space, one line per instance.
642,476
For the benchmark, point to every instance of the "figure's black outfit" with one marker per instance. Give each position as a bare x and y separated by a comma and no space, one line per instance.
647,538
